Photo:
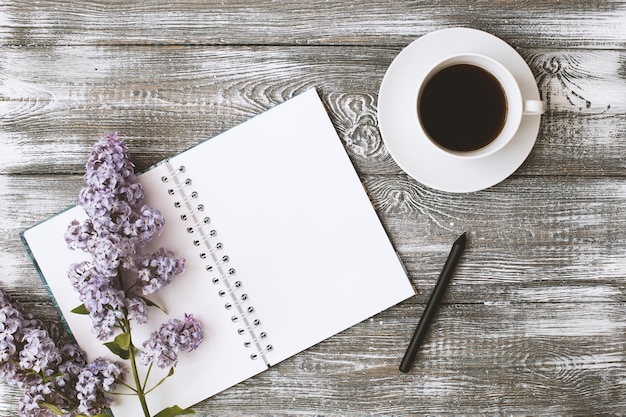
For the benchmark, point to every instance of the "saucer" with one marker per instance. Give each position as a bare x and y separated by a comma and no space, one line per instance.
397,117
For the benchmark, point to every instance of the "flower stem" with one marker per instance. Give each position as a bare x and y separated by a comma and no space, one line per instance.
138,385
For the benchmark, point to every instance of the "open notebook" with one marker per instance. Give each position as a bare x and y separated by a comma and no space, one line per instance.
299,233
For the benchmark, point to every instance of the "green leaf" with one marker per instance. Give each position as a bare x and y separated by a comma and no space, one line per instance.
81,309
174,411
150,303
95,415
123,340
120,345
118,350
56,410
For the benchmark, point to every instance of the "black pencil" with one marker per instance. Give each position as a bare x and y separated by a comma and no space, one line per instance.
433,303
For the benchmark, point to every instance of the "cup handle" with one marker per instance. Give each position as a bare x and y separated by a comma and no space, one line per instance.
534,107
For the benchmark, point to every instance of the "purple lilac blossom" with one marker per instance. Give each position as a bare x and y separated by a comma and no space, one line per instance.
29,403
173,337
10,323
101,296
112,284
72,364
157,270
39,352
80,235
31,361
112,197
95,379
118,224
137,309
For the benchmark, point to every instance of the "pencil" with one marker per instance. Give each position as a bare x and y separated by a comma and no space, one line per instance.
433,302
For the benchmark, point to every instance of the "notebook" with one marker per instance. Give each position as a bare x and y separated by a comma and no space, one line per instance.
292,234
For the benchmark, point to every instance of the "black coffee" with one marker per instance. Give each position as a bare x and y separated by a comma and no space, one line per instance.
463,107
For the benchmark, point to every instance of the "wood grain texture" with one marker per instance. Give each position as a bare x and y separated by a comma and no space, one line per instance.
164,100
267,22
534,321
511,257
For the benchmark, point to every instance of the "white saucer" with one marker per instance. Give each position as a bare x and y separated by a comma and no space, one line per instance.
397,106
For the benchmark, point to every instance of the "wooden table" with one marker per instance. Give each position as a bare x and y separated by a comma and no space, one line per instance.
535,320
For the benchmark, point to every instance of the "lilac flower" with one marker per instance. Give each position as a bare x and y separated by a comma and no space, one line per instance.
173,337
112,196
108,164
157,270
132,192
48,375
11,375
137,309
107,256
80,235
29,403
95,379
118,224
14,323
72,364
148,224
112,284
108,212
10,324
39,352
101,296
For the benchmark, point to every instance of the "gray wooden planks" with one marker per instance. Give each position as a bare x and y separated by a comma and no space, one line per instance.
534,321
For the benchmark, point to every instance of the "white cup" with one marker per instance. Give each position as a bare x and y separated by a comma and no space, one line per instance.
516,106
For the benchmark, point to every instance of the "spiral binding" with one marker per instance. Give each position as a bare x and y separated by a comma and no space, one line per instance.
203,236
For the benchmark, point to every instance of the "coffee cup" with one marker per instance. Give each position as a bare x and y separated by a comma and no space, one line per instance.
469,105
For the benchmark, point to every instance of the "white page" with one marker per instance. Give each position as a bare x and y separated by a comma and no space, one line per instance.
298,228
